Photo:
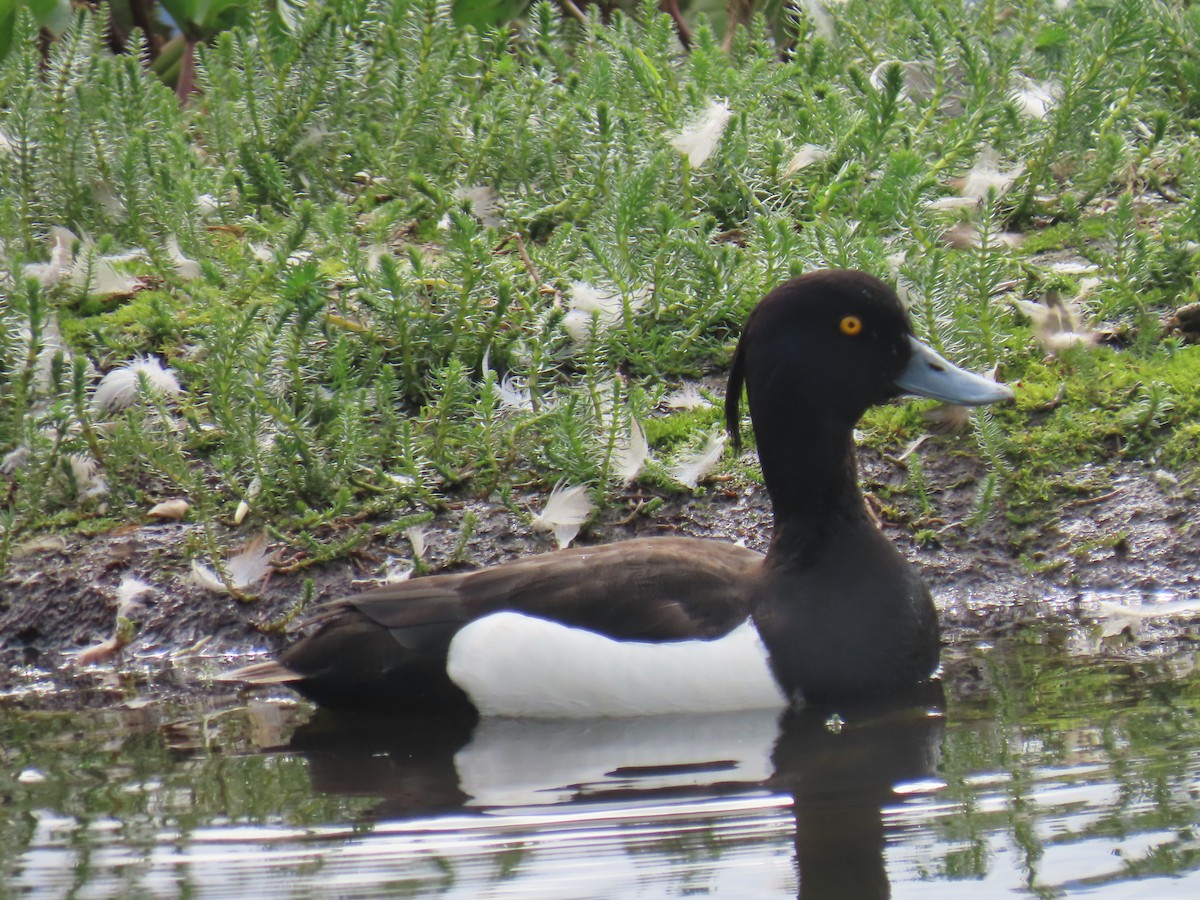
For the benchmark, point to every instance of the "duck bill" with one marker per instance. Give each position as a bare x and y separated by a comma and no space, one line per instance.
929,374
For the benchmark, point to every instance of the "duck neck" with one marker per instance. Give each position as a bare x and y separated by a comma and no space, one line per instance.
811,475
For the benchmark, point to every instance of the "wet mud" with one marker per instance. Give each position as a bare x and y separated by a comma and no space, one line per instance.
1135,542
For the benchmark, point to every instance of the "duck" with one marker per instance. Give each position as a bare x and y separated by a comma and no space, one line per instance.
832,613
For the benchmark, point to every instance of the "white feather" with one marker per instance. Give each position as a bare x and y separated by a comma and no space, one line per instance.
945,204
822,21
566,509
1057,325
587,302
512,393
515,665
416,536
88,475
699,140
207,205
986,175
245,570
169,510
1035,100
128,592
687,397
15,460
97,275
184,267
51,273
630,455
692,467
119,388
485,204
396,570
805,157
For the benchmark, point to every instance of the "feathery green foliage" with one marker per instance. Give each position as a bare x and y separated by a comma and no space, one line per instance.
362,226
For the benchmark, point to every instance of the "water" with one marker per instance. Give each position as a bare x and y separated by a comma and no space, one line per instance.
1048,774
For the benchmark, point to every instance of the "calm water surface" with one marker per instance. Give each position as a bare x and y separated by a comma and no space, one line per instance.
1044,773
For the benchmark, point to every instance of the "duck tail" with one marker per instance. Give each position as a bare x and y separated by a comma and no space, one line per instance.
263,673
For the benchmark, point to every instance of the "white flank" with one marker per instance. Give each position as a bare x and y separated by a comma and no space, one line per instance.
119,388
1118,616
519,762
184,267
245,570
699,140
515,665
566,509
630,455
691,468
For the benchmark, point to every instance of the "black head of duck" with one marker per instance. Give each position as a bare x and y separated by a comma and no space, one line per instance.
833,613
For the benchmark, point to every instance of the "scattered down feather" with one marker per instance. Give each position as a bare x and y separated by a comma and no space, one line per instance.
566,509
1056,324
630,455
699,140
607,309
805,157
185,268
692,467
245,570
1034,100
687,397
118,389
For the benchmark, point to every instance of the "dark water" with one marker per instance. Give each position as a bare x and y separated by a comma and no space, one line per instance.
1044,774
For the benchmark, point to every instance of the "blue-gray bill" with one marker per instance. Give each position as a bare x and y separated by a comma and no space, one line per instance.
929,374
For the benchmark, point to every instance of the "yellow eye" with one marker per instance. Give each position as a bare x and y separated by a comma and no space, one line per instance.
850,325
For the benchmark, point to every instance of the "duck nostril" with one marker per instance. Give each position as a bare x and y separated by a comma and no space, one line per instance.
937,368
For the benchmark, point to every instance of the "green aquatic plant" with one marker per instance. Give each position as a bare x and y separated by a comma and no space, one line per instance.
368,222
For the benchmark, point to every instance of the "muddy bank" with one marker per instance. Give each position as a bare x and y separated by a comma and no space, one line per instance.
1134,541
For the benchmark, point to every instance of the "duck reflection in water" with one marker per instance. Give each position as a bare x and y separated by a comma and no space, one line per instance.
838,770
